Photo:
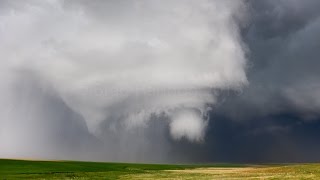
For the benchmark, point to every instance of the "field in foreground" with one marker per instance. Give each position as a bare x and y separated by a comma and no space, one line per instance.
20,169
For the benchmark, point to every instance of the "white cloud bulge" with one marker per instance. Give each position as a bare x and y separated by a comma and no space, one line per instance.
121,62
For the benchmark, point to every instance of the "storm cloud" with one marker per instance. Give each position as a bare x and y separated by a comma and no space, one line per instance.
160,81
116,66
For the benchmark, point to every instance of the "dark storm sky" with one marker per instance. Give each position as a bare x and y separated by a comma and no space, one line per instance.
276,118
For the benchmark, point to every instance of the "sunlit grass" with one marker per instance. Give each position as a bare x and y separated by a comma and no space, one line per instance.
19,169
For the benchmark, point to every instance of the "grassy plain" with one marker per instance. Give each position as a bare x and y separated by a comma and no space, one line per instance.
24,169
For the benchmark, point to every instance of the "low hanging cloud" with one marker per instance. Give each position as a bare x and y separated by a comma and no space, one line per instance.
116,65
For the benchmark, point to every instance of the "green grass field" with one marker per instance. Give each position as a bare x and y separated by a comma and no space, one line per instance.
22,169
